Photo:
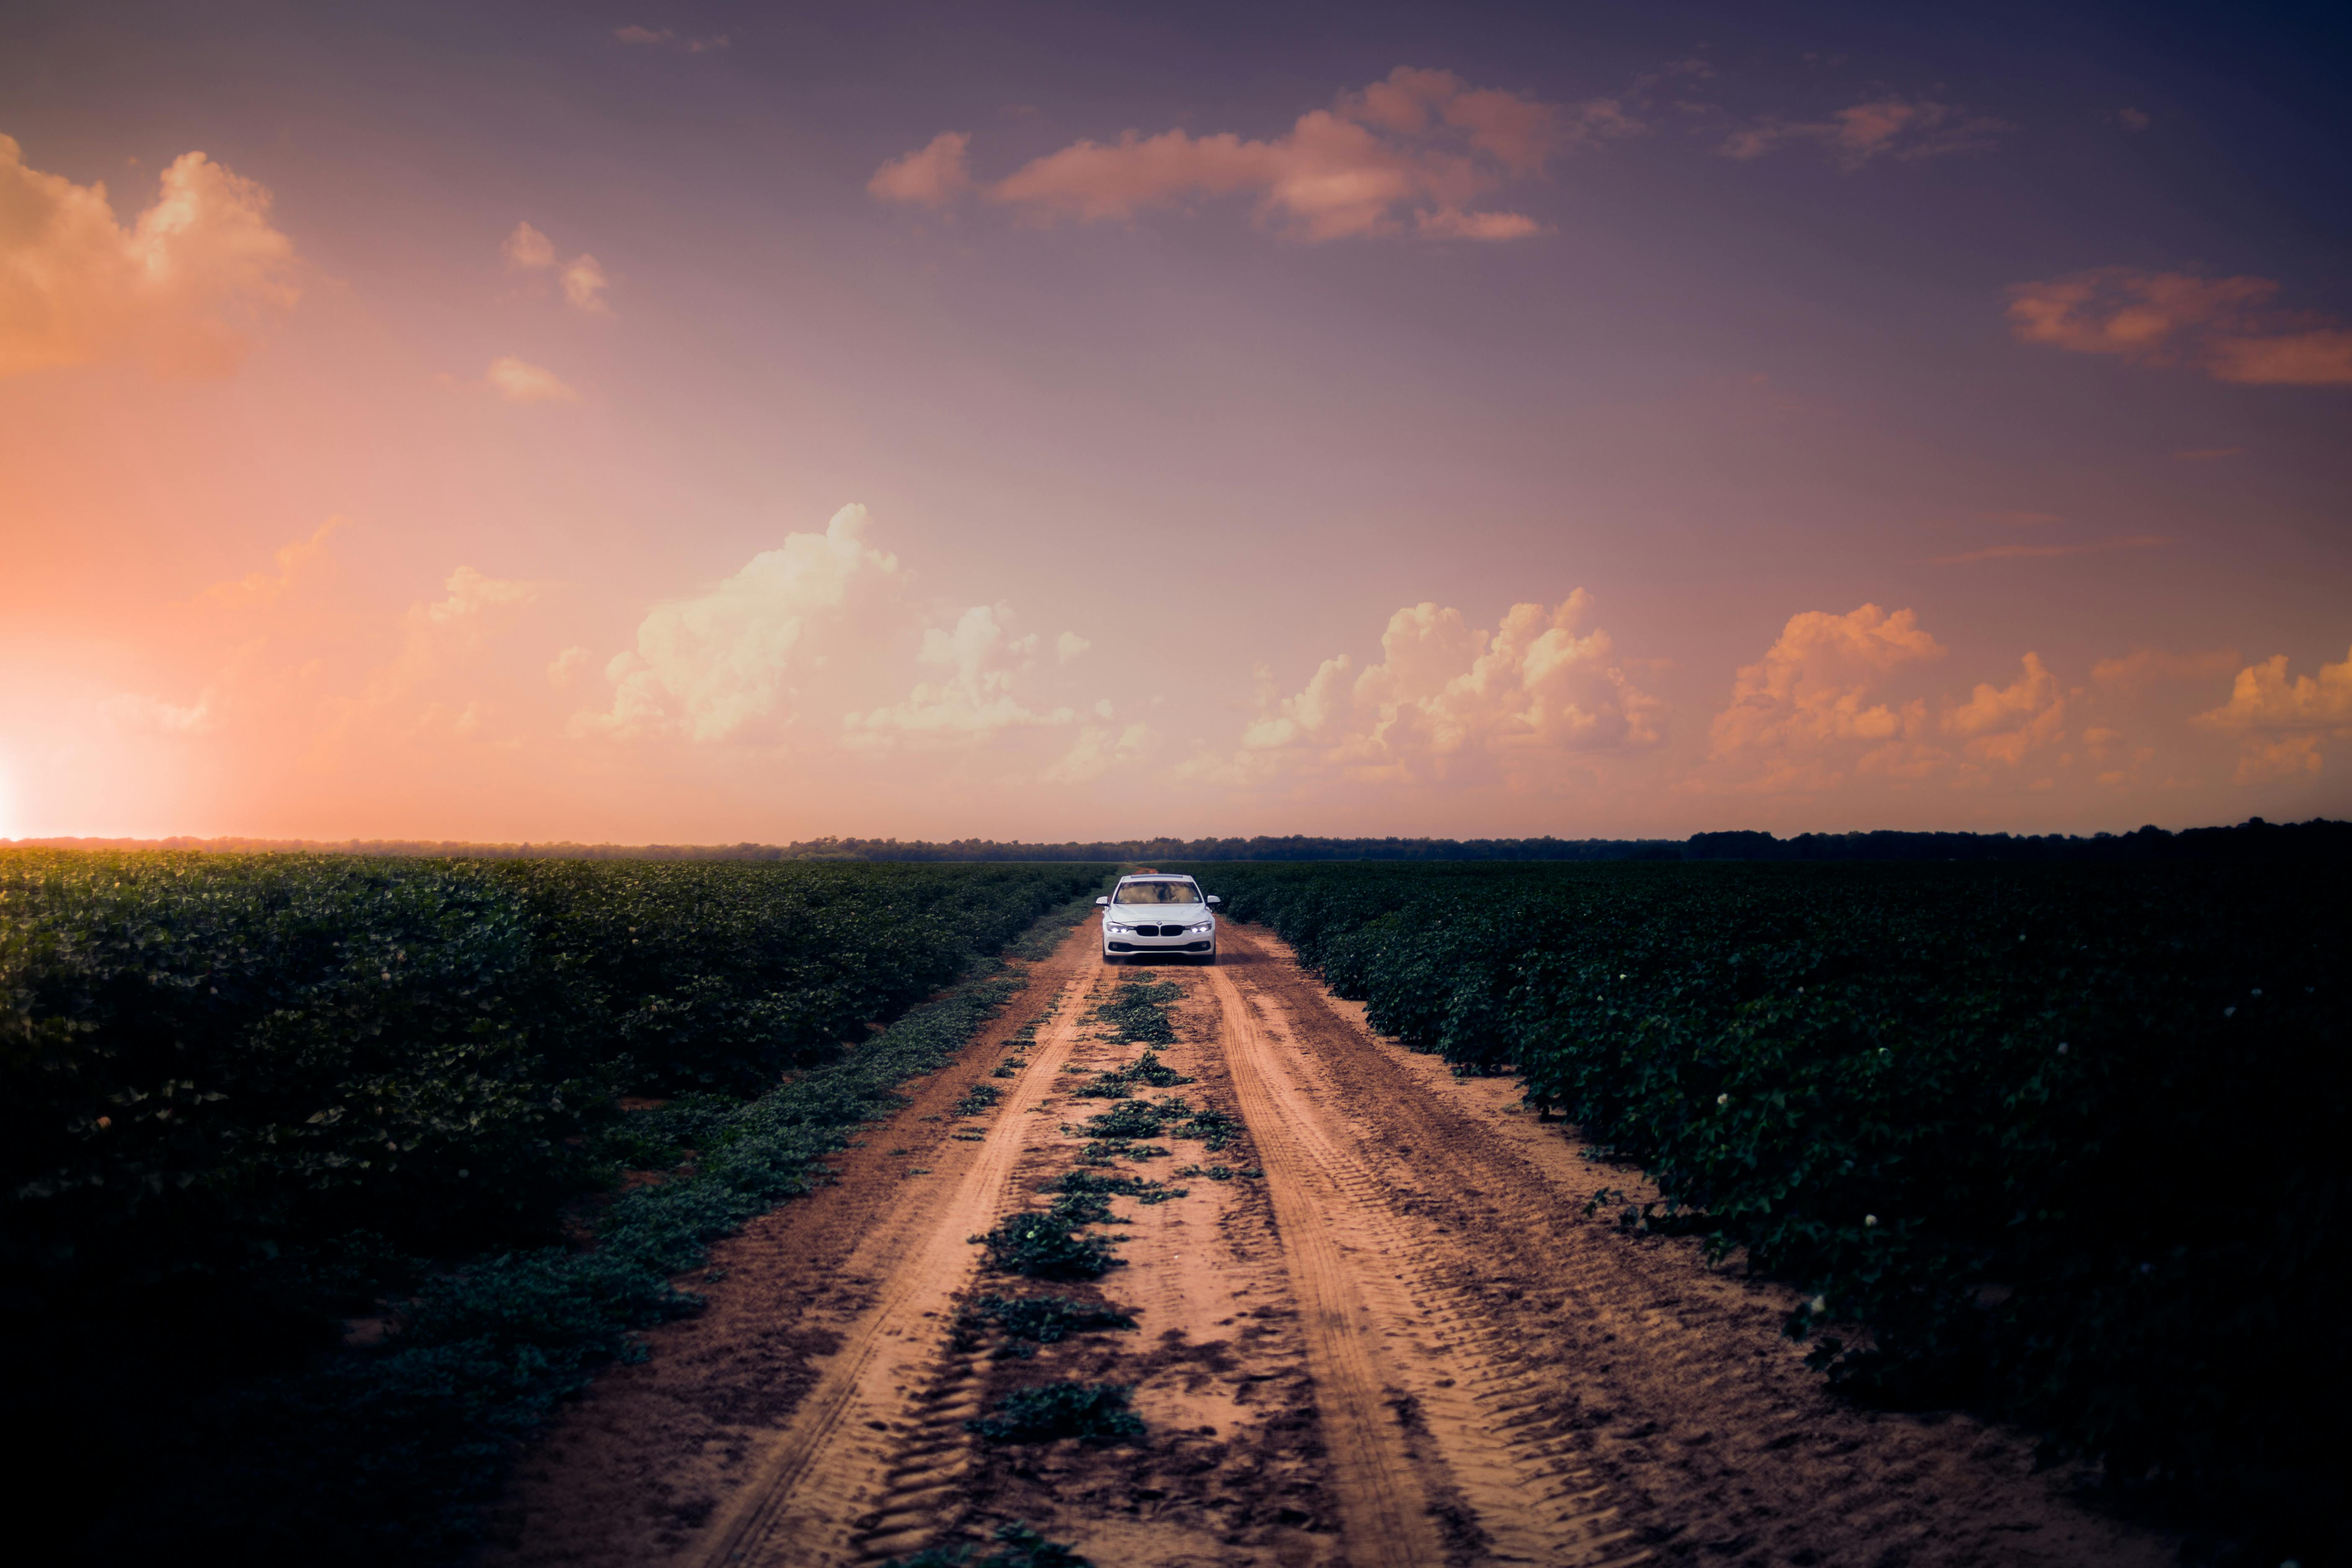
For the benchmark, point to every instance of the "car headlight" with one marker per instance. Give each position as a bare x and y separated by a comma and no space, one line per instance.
1204,925
1116,926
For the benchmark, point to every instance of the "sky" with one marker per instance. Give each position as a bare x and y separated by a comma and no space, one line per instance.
664,422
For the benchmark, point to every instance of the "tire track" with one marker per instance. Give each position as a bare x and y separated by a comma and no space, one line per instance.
1442,1449
838,1476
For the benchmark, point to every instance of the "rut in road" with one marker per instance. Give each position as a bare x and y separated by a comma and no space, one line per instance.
1405,1343
848,1468
1499,1487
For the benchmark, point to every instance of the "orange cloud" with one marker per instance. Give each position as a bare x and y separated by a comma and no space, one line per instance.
2280,722
720,665
581,279
972,698
2004,723
1811,709
182,288
1414,151
1448,703
1897,128
932,175
518,382
2220,324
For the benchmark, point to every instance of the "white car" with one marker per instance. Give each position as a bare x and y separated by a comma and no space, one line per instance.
1153,913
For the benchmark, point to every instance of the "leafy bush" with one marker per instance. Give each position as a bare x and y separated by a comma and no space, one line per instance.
1047,1245
2068,1141
1091,1412
1137,1013
1044,1319
247,1097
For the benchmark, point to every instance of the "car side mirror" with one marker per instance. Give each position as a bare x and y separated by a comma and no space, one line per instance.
1214,900
1103,899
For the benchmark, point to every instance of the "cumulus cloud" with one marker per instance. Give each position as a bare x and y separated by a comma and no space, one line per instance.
1811,708
972,696
720,665
182,287
1096,751
2224,326
1068,646
2004,723
580,280
1891,127
932,175
2280,722
1411,154
1451,704
520,381
1827,705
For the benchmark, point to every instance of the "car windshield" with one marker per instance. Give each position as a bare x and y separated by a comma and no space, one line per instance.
1182,892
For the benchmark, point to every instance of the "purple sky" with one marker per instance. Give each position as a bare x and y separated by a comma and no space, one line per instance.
1452,422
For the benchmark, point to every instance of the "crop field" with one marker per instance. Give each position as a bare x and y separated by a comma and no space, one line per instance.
305,1154
2065,1145
373,1211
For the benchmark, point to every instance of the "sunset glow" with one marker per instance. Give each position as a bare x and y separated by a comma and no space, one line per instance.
717,425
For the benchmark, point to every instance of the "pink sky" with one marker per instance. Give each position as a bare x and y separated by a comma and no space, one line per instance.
655,431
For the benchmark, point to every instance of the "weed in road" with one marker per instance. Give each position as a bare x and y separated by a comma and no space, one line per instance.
978,1099
1151,1192
1137,1013
1118,1083
1044,1246
1042,1320
1090,1411
1029,1550
1103,1152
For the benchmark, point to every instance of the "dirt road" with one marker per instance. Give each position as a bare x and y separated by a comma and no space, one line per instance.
1377,1329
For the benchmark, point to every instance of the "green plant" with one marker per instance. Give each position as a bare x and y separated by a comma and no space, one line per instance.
1047,1246
1027,1549
1090,1411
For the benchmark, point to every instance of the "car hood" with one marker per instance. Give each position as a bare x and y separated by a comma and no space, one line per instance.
1157,914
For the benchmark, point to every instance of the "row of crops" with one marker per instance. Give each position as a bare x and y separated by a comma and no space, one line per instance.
303,1154
2067,1144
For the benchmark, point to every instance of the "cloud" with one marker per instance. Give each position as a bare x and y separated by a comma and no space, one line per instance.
527,249
1448,703
2222,325
581,279
1068,646
566,665
2279,723
295,563
2133,119
1891,127
1096,751
2002,724
182,287
1409,153
1811,709
2037,552
720,665
518,382
972,698
584,284
932,175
